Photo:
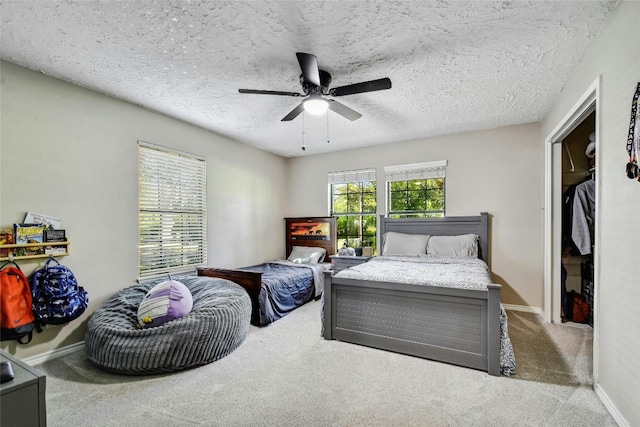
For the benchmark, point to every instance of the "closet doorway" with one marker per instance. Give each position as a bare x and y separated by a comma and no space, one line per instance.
564,147
578,222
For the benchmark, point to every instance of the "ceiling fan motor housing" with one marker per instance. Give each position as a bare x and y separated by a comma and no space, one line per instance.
325,82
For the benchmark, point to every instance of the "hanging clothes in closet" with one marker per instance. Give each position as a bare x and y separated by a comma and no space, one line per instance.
584,206
583,218
568,247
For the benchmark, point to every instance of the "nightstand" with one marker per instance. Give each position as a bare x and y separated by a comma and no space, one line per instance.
342,262
23,398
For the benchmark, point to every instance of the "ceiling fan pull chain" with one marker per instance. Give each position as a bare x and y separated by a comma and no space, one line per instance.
328,139
304,147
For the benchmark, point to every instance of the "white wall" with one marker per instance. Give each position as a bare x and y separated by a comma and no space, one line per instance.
72,153
614,56
497,171
68,152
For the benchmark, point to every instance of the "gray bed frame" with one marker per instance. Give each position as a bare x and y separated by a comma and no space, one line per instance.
457,326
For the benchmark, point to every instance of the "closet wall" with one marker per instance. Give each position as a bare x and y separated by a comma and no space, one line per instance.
575,169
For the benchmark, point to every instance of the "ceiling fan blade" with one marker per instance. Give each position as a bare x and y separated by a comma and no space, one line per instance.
343,110
294,113
309,66
269,92
370,86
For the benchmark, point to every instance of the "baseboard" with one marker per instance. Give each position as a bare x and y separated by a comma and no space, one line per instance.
524,308
617,416
53,354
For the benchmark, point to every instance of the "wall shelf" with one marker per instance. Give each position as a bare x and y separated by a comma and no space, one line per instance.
51,249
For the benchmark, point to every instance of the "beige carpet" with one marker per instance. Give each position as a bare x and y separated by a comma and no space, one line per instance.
551,353
287,375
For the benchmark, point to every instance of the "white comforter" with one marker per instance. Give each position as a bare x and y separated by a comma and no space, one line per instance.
453,272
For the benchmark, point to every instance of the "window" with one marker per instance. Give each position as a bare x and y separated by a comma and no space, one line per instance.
353,204
416,190
172,211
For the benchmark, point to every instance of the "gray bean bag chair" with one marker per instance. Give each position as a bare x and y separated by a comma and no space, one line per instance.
217,324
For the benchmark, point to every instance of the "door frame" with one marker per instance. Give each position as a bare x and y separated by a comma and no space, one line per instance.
587,103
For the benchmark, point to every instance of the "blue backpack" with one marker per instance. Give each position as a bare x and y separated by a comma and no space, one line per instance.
57,297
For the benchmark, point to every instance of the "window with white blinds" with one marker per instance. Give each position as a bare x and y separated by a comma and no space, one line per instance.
413,171
416,190
353,204
344,177
172,210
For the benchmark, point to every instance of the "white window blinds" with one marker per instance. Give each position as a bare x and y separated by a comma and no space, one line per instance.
343,177
172,210
415,171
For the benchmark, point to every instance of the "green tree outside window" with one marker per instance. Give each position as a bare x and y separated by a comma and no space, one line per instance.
354,206
416,198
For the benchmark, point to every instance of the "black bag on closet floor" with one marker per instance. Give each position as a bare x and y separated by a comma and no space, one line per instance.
567,307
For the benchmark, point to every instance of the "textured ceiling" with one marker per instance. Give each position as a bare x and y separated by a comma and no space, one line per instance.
455,66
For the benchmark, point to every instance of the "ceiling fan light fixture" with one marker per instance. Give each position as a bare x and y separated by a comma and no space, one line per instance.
316,105
315,83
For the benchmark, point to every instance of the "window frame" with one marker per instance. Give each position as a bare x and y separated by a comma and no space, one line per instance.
172,211
350,179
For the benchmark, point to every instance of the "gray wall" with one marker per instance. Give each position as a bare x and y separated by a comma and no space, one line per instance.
497,171
614,56
72,153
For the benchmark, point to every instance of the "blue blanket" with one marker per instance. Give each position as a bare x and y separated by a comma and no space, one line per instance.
284,288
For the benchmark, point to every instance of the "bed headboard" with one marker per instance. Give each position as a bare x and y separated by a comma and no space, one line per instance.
319,231
447,226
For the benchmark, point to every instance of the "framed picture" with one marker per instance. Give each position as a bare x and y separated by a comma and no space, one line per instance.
55,235
311,230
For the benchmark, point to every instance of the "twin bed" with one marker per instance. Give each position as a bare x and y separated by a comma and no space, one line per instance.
429,295
278,287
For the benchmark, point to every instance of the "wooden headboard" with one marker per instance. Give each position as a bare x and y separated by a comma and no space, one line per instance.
319,231
447,226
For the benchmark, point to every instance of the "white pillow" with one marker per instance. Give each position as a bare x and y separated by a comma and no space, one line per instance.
315,254
404,244
465,245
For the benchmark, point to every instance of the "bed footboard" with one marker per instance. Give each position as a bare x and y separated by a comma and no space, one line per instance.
251,281
456,326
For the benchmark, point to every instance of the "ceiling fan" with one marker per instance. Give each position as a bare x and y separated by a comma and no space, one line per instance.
315,85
